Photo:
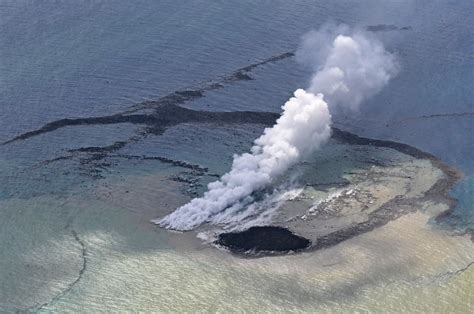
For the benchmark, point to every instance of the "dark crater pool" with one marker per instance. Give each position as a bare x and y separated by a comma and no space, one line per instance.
262,240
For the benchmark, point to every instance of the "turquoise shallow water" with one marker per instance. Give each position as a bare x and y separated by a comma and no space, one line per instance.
81,59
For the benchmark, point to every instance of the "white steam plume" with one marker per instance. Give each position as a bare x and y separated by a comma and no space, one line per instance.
302,128
349,67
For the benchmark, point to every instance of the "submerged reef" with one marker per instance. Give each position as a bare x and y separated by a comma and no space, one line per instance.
361,183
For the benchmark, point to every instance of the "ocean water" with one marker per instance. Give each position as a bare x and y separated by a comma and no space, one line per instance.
70,241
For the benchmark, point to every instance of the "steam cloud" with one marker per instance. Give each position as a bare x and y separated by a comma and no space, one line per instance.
349,66
302,128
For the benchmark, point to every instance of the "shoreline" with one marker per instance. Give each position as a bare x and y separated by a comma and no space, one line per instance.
441,188
392,210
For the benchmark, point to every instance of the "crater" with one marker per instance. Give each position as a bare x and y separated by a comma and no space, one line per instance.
260,240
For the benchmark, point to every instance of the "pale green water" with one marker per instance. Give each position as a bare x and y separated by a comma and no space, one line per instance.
93,249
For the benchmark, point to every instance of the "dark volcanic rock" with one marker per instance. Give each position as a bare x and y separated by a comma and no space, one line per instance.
382,28
262,239
387,28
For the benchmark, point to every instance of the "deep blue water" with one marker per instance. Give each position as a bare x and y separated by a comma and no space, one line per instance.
62,59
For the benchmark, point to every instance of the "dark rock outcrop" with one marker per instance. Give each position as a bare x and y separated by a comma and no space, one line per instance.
269,240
